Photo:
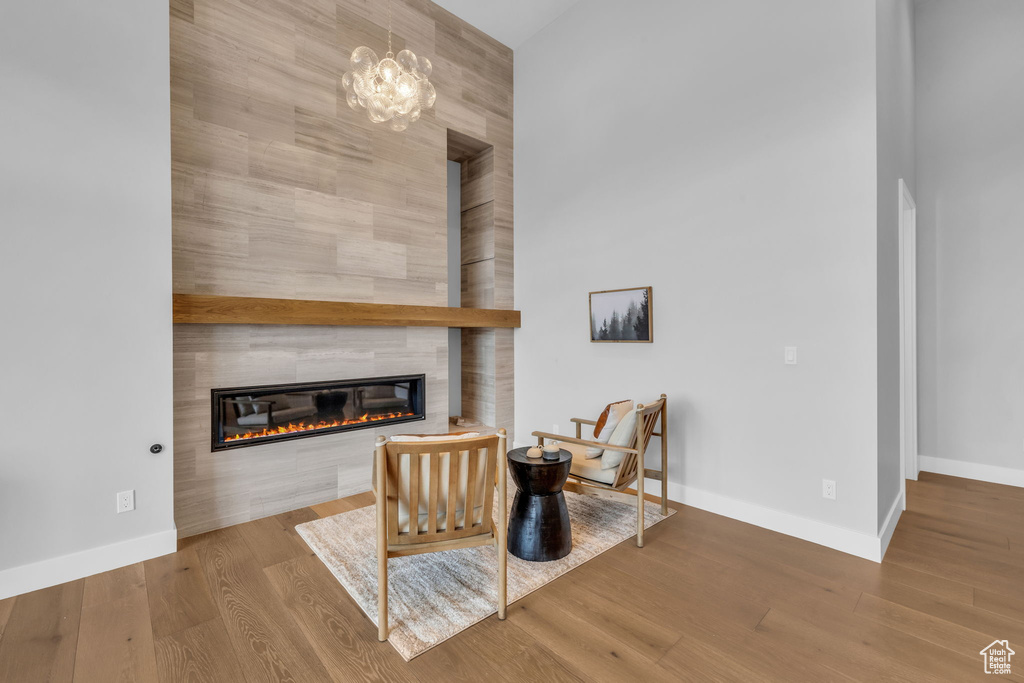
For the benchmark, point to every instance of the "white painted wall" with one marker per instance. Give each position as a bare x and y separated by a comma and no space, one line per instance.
454,285
895,87
85,271
970,160
725,153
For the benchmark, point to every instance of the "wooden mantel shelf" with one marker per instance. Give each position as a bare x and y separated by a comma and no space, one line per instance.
238,310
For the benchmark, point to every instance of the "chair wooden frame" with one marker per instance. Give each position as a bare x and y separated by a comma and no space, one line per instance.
492,529
647,417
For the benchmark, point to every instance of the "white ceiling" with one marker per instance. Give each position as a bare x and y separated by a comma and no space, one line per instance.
512,22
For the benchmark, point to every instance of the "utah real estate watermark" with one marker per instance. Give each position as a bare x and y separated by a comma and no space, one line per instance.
997,657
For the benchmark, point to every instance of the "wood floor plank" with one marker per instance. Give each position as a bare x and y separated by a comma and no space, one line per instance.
5,613
679,600
198,654
889,572
591,653
961,641
514,654
849,658
634,629
776,580
538,663
215,537
345,641
997,603
361,500
455,664
992,624
917,657
178,595
332,507
713,658
273,540
41,639
115,642
997,572
731,652
1002,490
981,537
987,501
266,641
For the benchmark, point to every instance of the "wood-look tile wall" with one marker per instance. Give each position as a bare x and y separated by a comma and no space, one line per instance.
281,190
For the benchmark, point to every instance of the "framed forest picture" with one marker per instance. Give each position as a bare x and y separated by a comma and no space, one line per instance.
621,315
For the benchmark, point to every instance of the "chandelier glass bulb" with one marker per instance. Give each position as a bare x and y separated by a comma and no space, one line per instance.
394,90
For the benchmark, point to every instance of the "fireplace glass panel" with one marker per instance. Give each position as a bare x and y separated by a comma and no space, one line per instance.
246,416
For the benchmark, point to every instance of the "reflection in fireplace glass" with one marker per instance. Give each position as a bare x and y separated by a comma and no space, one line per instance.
249,415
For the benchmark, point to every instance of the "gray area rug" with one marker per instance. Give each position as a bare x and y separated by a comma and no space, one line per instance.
434,596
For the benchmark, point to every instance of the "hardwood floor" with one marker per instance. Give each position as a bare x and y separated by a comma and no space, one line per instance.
707,598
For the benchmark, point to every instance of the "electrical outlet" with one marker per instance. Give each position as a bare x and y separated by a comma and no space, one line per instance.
126,501
555,429
828,489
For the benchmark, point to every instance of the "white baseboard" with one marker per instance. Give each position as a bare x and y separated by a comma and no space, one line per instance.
891,520
57,570
971,470
845,540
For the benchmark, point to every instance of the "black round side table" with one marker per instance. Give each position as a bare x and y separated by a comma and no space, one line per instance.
538,525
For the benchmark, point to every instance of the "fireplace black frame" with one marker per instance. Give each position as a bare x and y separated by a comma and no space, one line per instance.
418,400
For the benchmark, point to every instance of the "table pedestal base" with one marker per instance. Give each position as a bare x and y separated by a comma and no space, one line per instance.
540,531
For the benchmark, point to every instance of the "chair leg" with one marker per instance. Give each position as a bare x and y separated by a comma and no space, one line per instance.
640,500
501,532
380,460
664,493
502,574
382,599
664,457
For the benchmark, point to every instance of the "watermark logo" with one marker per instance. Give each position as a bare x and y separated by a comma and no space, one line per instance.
997,657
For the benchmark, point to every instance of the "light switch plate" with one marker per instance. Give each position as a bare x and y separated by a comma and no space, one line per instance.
790,356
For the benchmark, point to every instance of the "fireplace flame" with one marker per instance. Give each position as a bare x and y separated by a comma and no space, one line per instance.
292,428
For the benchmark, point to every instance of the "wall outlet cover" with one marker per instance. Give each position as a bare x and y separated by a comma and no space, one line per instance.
828,489
125,501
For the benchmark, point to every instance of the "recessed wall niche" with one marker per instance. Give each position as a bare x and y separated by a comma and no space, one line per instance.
487,358
281,191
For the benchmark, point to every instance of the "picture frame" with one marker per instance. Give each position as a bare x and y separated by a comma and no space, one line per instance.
622,316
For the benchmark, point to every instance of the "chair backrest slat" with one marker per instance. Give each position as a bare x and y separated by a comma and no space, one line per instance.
435,477
470,503
414,493
393,478
490,470
453,490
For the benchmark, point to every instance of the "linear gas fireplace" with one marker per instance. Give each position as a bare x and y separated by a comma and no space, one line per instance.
247,416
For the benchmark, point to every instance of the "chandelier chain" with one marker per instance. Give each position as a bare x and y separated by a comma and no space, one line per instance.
389,27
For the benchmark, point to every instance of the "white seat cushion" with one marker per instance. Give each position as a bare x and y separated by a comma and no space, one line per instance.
587,468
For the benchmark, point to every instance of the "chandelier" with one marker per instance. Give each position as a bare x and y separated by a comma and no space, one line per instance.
394,90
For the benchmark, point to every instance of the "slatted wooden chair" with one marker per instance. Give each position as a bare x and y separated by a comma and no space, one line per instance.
613,483
438,493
